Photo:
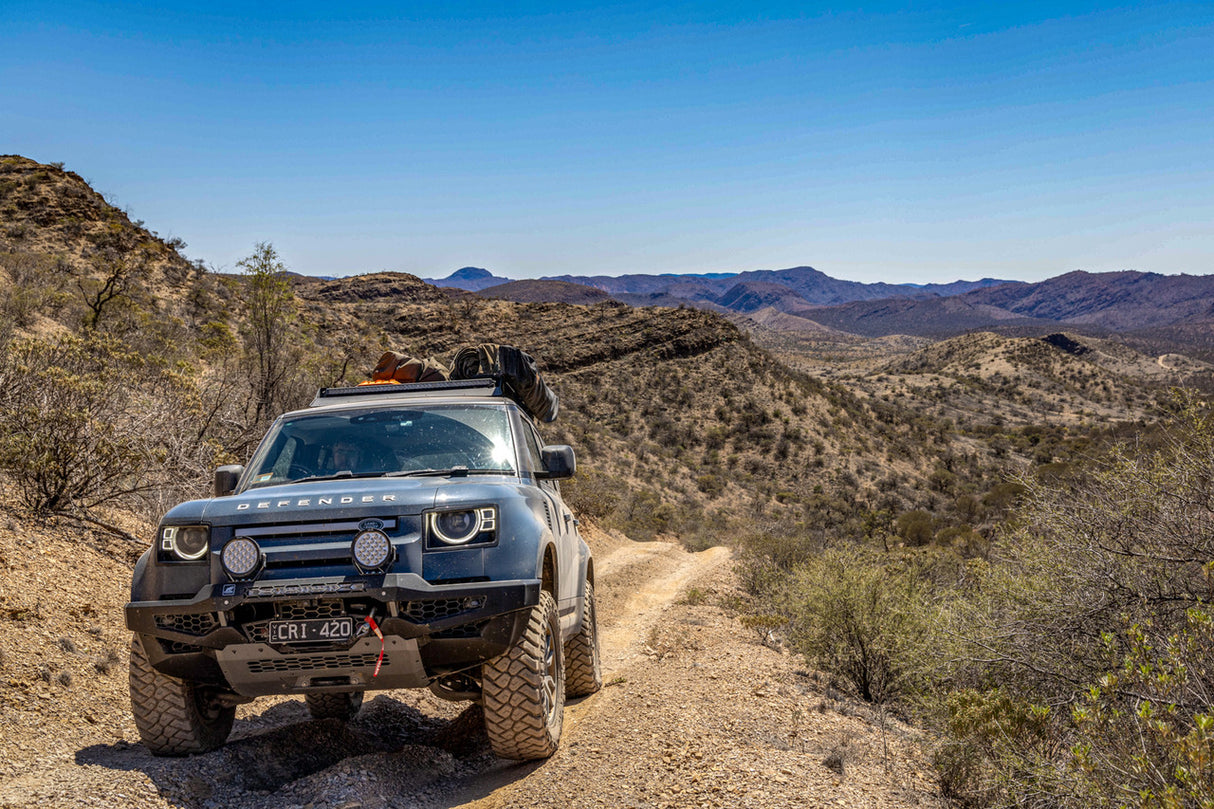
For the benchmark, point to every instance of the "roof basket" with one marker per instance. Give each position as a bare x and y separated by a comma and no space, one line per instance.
486,369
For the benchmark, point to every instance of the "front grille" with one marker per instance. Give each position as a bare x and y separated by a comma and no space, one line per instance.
461,632
199,623
436,609
289,546
315,662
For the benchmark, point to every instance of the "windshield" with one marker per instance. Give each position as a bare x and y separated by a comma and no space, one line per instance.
385,441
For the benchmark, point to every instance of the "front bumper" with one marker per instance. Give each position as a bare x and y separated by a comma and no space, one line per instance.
428,630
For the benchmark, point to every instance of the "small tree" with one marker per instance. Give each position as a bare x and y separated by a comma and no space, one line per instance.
272,315
112,279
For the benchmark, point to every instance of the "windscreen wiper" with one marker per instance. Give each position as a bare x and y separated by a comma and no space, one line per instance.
454,471
345,473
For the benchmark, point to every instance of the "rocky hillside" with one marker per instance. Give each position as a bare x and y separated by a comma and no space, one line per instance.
682,424
1060,378
50,210
541,291
68,257
679,420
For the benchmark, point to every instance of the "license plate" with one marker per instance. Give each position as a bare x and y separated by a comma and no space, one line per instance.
316,629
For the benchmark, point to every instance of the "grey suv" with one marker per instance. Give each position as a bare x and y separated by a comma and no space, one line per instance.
388,536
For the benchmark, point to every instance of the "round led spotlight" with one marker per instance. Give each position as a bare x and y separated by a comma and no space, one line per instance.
241,557
456,527
371,550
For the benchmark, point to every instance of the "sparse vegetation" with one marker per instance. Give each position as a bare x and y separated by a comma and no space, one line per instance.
1070,668
107,662
85,423
989,533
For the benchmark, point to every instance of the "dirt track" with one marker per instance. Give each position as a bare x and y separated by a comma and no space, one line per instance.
696,713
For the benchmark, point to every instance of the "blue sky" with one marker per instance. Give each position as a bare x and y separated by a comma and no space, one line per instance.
899,142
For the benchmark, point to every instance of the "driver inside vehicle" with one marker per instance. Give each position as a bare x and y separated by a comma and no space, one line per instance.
346,455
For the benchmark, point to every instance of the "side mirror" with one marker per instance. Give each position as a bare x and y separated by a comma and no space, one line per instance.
558,462
226,478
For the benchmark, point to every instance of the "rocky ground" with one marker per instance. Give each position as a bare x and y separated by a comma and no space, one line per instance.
697,711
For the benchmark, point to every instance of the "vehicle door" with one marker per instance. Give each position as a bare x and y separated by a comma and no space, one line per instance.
561,522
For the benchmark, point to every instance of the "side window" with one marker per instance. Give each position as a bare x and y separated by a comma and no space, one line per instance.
531,447
539,463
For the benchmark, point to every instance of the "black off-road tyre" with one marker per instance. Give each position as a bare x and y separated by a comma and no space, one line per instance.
583,670
524,689
334,706
175,717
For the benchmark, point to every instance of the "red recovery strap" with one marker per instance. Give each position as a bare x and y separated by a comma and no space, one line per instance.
375,628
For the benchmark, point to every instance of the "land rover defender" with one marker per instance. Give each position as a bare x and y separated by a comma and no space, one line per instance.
388,536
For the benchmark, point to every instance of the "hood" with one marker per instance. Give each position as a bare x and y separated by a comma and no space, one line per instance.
343,499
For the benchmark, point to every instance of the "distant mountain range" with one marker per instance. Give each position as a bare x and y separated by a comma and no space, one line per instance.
1162,307
1112,301
809,286
55,214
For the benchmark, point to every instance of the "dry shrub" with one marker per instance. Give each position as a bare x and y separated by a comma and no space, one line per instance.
32,288
85,424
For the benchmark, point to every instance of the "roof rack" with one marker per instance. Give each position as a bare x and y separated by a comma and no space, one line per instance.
484,386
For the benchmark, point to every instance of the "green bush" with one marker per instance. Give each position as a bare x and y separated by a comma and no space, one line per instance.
1089,644
1141,734
917,527
1127,545
864,617
996,750
1145,731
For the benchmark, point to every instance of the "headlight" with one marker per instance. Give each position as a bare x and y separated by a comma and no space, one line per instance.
184,542
241,557
461,527
371,550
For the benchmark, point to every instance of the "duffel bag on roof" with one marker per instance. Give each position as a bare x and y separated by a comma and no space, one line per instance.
514,368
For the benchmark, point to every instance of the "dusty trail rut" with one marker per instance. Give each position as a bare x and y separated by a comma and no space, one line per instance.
623,630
